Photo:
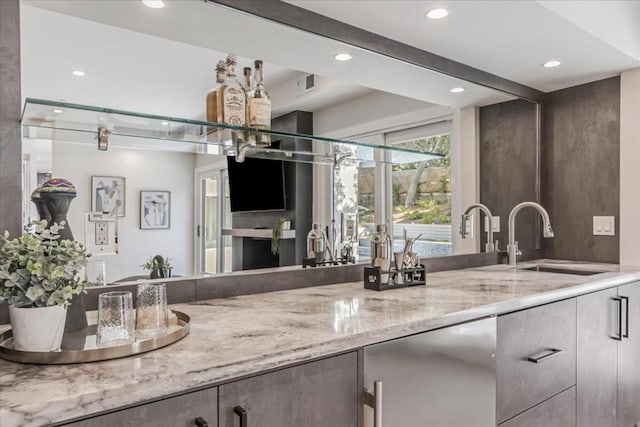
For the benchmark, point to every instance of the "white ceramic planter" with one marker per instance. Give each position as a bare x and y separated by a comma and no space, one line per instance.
37,329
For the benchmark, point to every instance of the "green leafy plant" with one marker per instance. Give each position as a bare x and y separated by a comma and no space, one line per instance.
275,236
38,269
152,263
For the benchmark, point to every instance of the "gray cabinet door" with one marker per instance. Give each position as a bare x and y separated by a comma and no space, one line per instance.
597,359
546,333
318,394
180,411
559,411
629,358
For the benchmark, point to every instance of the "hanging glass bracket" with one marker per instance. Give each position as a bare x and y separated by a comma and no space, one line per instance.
103,138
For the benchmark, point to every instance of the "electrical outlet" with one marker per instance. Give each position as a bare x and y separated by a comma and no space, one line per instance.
604,226
495,226
102,233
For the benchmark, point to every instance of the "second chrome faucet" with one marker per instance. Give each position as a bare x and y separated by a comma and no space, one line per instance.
512,248
547,232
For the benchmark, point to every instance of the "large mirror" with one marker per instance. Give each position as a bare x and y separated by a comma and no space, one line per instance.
125,55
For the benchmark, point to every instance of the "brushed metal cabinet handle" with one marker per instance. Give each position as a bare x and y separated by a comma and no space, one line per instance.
374,400
551,352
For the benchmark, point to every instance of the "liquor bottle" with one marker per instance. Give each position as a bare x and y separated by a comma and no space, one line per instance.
212,96
250,137
232,98
259,107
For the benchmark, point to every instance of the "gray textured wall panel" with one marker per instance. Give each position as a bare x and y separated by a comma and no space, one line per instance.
581,165
508,167
10,109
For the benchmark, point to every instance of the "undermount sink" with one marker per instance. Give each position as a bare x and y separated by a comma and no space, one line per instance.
562,270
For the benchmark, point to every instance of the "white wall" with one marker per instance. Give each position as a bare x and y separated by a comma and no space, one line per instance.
143,170
629,171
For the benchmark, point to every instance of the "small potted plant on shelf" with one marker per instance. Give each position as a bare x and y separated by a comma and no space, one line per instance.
281,224
39,274
158,267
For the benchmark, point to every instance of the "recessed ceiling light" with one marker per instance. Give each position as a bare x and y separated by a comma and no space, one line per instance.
457,90
154,4
437,13
58,111
164,123
342,57
551,64
78,73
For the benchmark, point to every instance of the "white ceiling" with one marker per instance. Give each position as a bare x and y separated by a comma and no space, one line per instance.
593,39
161,60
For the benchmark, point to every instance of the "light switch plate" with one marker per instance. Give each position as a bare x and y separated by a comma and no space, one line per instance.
495,226
604,226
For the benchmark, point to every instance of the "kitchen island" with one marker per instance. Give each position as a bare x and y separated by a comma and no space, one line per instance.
239,337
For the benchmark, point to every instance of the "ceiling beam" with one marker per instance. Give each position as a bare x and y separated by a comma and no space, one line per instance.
297,17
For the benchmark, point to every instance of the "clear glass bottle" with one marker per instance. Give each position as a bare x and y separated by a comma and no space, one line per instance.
250,137
259,107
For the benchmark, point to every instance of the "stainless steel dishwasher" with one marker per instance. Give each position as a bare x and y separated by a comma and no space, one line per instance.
441,378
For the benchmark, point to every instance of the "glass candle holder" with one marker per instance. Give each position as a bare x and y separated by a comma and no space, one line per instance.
96,273
151,310
116,323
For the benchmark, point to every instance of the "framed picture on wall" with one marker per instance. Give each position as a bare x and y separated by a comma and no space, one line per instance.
108,194
155,210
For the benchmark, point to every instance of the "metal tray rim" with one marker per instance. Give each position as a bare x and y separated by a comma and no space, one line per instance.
94,355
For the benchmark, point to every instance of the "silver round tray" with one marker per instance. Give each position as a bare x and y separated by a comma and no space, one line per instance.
80,347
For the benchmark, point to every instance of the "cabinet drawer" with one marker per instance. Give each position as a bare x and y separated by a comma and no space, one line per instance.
559,411
546,333
317,394
180,411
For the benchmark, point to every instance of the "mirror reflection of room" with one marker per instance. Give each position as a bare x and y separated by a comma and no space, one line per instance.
204,212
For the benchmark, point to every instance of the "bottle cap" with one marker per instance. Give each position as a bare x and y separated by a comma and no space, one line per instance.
220,67
231,59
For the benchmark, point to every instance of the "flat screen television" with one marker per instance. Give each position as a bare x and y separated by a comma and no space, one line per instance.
256,185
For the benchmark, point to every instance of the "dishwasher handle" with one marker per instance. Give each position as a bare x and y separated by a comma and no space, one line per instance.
374,400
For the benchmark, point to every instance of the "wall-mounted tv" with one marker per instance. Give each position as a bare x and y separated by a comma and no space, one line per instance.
256,185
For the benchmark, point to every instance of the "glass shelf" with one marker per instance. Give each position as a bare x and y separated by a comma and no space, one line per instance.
121,128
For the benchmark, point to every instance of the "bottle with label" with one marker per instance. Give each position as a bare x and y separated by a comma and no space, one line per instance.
232,101
259,107
212,97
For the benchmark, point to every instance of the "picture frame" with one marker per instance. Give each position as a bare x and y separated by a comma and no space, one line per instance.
107,194
155,210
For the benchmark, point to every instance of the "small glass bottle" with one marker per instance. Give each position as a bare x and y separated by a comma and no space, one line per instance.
232,97
212,96
250,137
212,102
259,107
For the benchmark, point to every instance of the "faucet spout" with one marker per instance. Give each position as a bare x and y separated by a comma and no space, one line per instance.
547,231
489,247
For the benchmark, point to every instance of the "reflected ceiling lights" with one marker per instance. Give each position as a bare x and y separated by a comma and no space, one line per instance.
342,57
58,111
154,4
164,123
78,73
551,64
457,90
437,13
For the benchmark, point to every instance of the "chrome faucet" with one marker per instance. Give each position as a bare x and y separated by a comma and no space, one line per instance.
489,247
547,231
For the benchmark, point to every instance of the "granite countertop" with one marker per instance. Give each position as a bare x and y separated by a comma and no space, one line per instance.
243,335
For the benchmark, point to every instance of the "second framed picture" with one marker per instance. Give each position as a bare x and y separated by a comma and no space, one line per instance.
155,210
